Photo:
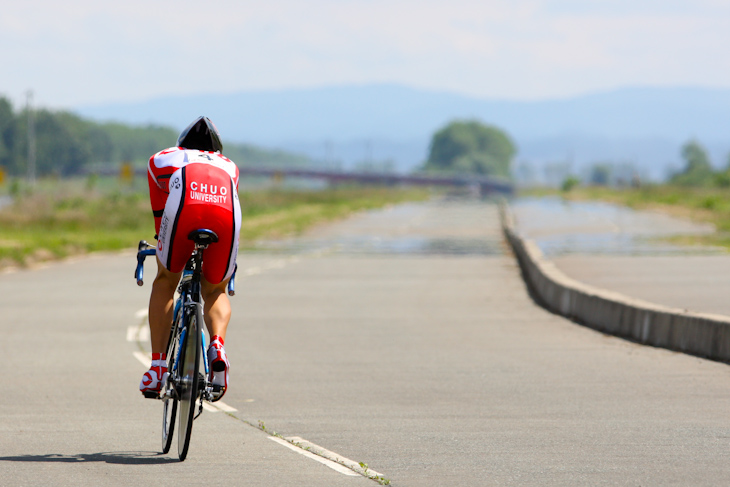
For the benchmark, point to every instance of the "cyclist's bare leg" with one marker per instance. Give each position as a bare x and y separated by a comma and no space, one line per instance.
161,302
216,308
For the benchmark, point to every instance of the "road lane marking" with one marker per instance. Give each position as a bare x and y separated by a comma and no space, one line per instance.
324,461
335,457
144,358
224,407
138,333
218,407
132,333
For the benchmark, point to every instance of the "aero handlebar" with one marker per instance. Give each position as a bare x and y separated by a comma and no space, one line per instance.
144,249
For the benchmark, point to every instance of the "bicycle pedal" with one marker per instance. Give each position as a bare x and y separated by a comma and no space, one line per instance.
217,392
151,394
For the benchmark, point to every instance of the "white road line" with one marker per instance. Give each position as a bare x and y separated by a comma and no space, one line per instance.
324,461
138,333
143,335
333,456
132,333
218,406
144,358
224,407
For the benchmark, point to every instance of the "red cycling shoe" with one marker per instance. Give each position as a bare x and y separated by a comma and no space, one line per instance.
218,367
153,379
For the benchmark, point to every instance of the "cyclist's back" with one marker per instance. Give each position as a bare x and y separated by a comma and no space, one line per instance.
201,193
193,186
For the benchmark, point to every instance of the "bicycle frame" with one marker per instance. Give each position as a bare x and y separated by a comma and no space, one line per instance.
185,383
187,301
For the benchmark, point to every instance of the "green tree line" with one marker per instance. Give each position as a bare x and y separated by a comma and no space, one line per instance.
66,143
698,170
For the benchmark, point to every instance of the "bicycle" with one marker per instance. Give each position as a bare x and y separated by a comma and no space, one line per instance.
185,382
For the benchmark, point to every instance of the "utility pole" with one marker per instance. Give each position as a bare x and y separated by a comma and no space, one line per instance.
31,138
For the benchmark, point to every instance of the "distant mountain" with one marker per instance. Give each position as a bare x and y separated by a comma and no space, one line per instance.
376,122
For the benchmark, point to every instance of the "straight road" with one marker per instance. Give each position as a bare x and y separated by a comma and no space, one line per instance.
403,339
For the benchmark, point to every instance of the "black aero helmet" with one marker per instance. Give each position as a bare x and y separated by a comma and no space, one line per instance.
201,135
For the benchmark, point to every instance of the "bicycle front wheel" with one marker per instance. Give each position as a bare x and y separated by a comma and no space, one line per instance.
188,382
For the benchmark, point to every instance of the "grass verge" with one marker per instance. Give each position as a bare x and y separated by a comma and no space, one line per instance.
49,225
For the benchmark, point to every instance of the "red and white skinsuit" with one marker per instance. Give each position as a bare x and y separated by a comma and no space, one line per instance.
189,190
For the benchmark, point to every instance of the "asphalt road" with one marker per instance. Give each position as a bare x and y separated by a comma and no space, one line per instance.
403,339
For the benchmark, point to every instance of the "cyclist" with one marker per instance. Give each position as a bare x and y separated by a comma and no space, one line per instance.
193,186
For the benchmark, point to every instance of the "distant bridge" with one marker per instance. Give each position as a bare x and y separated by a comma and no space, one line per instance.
483,185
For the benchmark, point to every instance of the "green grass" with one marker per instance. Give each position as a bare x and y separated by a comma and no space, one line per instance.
69,218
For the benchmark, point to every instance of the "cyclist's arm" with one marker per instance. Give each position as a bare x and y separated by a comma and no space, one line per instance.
158,197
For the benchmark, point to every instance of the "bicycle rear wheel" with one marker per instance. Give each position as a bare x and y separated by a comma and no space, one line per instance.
169,411
169,408
188,382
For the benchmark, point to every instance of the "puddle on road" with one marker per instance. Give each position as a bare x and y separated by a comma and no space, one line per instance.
562,227
370,245
431,228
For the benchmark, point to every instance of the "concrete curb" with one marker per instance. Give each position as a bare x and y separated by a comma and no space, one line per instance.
700,334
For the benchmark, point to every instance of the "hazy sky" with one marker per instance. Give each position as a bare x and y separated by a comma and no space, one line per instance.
85,52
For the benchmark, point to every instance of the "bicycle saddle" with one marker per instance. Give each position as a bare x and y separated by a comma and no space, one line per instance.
203,236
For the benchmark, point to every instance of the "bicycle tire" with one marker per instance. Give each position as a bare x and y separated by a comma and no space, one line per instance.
169,411
188,379
169,408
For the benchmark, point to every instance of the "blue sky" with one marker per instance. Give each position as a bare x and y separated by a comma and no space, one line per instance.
86,52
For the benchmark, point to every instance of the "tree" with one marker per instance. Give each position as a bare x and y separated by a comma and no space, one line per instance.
697,168
471,147
600,174
66,144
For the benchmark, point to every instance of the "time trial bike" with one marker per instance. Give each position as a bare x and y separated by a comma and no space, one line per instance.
186,381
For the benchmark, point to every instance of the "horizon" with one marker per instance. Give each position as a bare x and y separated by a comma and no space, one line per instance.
19,103
387,121
82,52
333,87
